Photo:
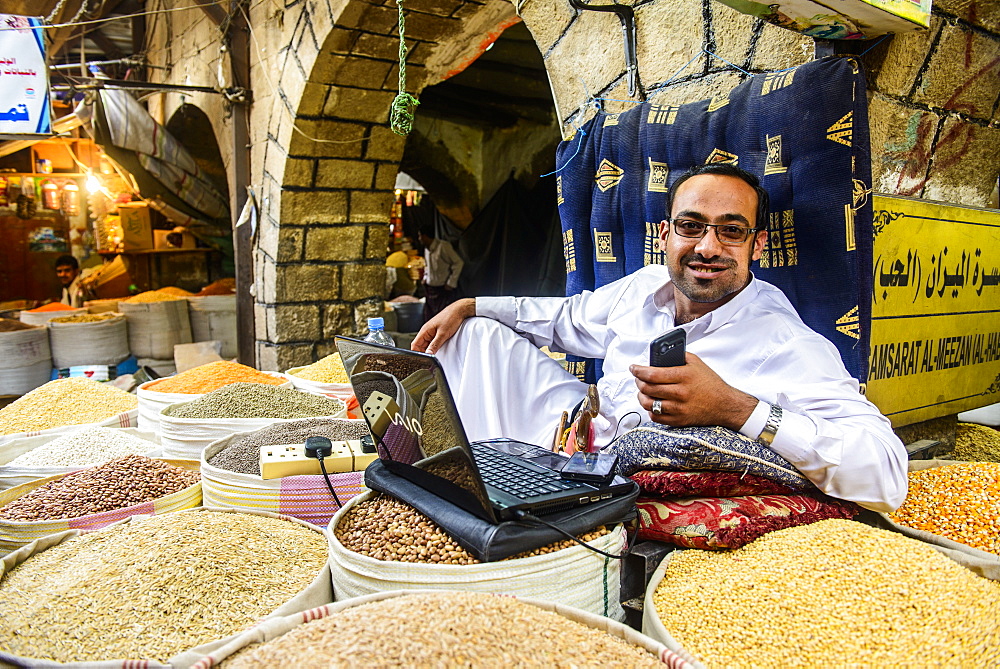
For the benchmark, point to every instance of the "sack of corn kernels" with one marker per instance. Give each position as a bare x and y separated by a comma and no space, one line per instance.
232,484
203,574
25,359
435,628
96,497
953,505
833,593
154,328
92,342
379,544
32,458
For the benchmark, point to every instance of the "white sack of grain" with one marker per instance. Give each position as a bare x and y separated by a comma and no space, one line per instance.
213,317
25,360
43,317
155,327
98,343
124,419
574,576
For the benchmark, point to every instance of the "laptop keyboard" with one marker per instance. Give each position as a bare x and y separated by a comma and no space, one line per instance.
509,474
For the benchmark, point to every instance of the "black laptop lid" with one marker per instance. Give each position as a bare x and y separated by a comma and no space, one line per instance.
413,419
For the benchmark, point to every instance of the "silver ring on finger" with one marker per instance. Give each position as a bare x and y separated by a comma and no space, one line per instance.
657,407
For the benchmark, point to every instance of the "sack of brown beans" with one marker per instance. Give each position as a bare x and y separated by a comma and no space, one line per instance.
835,593
95,497
32,458
956,507
152,591
442,629
65,405
378,544
230,471
188,427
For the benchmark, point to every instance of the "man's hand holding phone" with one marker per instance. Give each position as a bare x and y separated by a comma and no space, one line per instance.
688,392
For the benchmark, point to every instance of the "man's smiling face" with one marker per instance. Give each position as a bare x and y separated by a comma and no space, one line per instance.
705,272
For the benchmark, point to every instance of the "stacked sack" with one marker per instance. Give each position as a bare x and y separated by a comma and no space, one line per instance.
157,321
25,357
88,339
712,488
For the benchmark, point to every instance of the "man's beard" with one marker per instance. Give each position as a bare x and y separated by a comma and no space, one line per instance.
706,290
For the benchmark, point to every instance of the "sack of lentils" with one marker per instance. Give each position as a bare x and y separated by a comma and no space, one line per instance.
378,544
230,471
442,629
956,507
154,396
834,593
96,497
65,405
187,428
152,589
32,458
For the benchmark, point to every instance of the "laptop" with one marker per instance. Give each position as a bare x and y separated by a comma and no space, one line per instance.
419,436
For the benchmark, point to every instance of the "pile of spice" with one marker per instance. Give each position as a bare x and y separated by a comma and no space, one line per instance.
325,370
84,448
174,290
256,400
387,529
220,287
831,594
212,376
72,401
52,306
117,484
152,296
10,325
976,443
446,629
86,318
243,455
960,502
150,589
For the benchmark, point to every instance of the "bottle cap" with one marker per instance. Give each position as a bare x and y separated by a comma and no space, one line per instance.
375,323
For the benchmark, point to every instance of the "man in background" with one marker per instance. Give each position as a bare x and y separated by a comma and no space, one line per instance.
441,273
68,271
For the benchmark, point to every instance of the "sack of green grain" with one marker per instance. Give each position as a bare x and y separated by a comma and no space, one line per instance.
213,317
186,428
572,575
204,575
305,497
25,360
95,497
103,342
67,405
953,509
829,594
155,327
32,458
436,628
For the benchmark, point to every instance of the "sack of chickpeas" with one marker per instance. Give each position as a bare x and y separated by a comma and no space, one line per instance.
230,471
434,628
953,506
156,591
32,458
96,497
833,593
378,544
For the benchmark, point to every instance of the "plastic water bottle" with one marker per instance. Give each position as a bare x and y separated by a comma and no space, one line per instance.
377,333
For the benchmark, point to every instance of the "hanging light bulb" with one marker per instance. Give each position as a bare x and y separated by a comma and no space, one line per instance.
93,185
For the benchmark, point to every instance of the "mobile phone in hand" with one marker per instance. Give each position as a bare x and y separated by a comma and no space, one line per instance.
667,350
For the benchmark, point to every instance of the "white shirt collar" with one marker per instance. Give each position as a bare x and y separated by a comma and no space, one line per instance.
663,299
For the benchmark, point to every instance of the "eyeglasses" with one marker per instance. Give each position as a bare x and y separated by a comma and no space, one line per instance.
731,235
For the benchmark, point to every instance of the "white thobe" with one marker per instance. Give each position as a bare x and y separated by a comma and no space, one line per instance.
756,342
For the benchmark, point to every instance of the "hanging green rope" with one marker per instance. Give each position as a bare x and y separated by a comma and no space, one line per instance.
401,112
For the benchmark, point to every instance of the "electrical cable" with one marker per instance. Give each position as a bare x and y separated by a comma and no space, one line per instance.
524,515
326,477
122,17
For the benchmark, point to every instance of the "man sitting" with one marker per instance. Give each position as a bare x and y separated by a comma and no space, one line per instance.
752,365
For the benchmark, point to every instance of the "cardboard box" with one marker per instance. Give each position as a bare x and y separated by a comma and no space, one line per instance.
137,230
166,239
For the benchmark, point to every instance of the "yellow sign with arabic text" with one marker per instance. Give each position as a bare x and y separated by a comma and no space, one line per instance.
935,328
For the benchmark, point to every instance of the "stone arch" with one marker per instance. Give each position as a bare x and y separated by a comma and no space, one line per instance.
328,181
193,129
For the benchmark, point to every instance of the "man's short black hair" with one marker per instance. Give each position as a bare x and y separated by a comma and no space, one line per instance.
726,170
67,260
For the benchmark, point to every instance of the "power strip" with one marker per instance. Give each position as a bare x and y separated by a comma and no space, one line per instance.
291,460
380,409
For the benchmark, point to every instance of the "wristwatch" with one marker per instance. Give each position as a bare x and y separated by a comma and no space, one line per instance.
766,435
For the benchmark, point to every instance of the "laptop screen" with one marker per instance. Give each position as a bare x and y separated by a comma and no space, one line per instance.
412,416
